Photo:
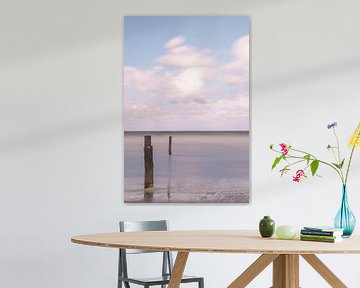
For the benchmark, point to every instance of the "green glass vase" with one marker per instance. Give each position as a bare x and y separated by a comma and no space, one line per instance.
266,227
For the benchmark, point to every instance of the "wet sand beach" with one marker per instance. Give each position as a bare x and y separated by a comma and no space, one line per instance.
205,167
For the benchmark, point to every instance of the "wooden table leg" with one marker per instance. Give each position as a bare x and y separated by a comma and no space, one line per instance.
178,269
324,271
253,270
286,271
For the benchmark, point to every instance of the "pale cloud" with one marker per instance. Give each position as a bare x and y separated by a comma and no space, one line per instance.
145,80
189,81
244,102
241,54
236,72
236,106
234,78
180,55
188,90
174,42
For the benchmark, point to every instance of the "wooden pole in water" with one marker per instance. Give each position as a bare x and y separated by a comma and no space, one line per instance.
170,140
148,163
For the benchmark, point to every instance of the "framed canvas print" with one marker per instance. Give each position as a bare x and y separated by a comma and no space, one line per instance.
186,109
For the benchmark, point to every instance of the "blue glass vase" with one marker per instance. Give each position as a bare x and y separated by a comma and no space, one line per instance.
345,219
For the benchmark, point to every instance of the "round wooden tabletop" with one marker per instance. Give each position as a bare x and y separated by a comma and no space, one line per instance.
220,241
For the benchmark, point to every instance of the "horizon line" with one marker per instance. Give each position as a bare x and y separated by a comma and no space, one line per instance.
185,131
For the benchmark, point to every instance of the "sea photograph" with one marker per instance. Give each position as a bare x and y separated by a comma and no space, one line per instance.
186,109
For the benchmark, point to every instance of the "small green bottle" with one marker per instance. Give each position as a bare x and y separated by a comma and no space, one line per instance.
266,226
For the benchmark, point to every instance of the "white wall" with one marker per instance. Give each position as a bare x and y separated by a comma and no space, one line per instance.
61,161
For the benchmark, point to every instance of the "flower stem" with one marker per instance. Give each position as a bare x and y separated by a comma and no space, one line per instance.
348,167
339,156
338,171
323,162
313,158
333,152
304,152
296,162
338,146
351,155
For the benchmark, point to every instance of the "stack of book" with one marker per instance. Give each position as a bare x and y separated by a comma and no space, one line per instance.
321,234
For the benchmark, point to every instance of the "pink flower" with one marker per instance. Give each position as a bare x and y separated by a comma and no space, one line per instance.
300,174
284,148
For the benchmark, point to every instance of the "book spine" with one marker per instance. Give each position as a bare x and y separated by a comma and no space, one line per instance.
318,236
320,233
318,239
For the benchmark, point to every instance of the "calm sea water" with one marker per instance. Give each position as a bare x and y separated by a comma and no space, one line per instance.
205,167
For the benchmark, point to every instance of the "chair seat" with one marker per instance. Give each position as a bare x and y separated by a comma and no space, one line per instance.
167,262
158,280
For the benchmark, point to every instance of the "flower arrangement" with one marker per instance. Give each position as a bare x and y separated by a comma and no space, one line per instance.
292,156
344,219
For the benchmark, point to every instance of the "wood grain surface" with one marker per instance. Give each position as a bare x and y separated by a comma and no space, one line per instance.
217,241
179,268
324,271
253,270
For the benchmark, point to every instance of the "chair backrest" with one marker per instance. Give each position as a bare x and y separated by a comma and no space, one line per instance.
137,226
134,226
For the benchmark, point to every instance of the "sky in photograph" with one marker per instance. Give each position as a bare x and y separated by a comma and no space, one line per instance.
186,73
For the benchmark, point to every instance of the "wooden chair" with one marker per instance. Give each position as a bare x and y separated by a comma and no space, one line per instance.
167,262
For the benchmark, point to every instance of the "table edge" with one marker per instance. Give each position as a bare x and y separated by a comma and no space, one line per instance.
205,250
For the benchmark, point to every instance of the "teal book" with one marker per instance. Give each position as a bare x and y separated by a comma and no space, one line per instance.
324,229
325,240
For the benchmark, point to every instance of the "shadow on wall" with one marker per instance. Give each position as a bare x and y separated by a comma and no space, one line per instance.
312,74
86,22
83,24
55,134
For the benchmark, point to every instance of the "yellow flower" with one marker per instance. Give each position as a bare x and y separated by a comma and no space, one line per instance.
355,137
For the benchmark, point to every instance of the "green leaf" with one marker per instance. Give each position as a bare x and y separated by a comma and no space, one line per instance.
284,170
314,166
336,165
339,166
307,157
342,163
271,146
276,161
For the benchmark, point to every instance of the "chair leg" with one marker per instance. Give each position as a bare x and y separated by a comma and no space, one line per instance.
201,283
126,284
